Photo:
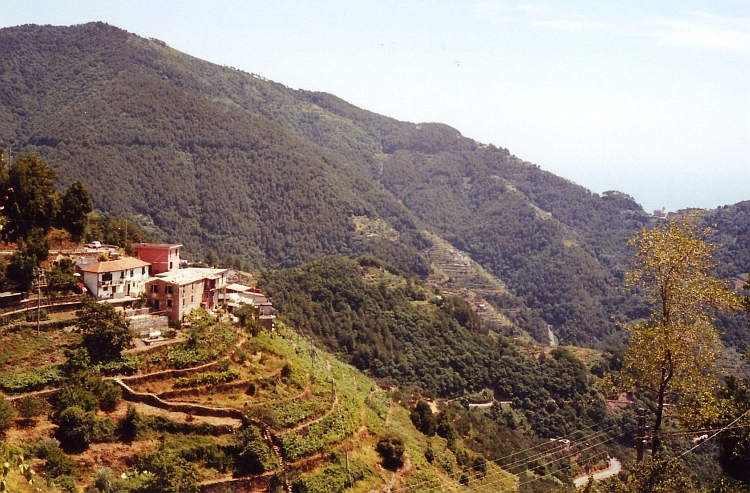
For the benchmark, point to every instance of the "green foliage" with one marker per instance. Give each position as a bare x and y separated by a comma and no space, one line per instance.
7,414
32,250
254,456
207,378
29,196
58,462
105,332
89,392
654,476
31,407
126,365
672,355
383,331
391,448
168,473
78,428
76,206
13,460
333,478
30,381
60,279
423,419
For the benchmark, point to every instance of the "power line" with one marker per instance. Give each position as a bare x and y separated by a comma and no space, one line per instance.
535,456
567,456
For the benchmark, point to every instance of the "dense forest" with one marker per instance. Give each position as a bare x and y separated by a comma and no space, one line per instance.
390,325
223,160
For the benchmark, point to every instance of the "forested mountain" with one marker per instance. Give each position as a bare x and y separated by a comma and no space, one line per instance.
221,159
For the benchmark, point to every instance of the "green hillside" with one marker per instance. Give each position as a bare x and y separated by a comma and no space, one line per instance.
223,160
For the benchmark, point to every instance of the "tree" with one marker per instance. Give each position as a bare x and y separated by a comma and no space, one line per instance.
76,206
672,354
29,196
105,332
391,448
32,251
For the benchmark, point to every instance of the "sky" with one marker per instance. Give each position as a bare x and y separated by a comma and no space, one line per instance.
648,98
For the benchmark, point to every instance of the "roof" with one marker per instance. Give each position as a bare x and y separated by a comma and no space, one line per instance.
156,245
125,263
238,288
188,276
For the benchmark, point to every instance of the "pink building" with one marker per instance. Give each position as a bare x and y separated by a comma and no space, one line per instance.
163,257
180,291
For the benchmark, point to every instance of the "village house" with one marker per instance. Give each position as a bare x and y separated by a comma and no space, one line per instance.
163,257
178,292
116,279
238,295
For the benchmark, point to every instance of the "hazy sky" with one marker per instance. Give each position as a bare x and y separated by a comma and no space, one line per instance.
649,98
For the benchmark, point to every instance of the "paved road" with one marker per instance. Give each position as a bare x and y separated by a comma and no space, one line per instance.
615,466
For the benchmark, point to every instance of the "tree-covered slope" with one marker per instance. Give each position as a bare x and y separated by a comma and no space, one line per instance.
220,159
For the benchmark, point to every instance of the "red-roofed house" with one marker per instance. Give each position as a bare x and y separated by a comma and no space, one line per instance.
115,279
163,257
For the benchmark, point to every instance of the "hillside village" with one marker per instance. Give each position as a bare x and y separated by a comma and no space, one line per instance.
151,288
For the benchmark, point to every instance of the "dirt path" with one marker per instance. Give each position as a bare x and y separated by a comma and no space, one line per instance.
615,466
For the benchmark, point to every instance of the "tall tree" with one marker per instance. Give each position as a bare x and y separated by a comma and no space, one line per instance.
76,206
29,196
672,354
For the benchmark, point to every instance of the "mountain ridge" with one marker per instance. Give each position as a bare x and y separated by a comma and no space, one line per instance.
222,160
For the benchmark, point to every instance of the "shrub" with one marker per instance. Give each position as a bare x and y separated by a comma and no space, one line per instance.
58,462
79,428
111,396
7,414
207,378
31,407
170,473
76,397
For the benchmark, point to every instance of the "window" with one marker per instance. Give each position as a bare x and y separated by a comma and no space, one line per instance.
143,271
154,288
169,303
168,289
183,302
107,276
105,288
192,299
170,266
131,272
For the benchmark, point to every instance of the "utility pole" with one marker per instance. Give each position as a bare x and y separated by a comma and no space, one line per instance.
39,275
641,434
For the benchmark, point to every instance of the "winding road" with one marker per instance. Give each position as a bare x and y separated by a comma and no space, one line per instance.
615,466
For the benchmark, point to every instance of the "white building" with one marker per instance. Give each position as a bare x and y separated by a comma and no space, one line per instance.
116,279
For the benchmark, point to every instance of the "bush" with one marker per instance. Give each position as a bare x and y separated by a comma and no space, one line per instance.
76,397
391,448
78,428
254,455
111,396
7,414
31,407
207,378
58,462
170,473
